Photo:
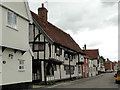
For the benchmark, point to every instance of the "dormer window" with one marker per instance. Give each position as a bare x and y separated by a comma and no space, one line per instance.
11,19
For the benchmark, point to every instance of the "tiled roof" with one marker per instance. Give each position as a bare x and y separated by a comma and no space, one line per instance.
92,53
56,34
108,61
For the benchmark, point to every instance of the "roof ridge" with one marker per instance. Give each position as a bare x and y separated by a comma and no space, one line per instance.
92,49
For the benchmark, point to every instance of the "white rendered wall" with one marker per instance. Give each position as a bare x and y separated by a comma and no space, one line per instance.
11,73
17,38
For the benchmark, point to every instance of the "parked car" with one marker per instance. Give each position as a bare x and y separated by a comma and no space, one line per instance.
109,71
117,76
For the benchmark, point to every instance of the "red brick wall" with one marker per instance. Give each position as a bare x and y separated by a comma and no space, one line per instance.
85,74
107,66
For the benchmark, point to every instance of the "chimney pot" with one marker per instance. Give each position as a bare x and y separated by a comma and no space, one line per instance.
85,46
42,5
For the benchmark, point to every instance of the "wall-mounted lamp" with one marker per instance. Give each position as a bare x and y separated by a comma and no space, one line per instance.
4,62
11,56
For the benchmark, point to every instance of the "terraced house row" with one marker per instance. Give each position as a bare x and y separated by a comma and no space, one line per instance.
34,50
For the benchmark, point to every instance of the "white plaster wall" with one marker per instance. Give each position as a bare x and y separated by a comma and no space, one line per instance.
15,38
0,44
31,37
57,73
11,74
0,65
63,73
0,25
95,63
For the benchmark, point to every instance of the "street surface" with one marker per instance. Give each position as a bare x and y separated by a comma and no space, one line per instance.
105,80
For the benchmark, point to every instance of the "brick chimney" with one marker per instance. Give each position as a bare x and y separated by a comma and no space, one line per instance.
85,47
43,12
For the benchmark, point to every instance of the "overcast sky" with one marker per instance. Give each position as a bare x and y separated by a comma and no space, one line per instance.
90,22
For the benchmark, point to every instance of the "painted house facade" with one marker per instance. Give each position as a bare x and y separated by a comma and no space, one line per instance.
15,53
93,55
85,68
56,55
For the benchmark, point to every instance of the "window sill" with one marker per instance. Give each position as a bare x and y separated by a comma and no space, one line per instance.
50,75
21,70
12,27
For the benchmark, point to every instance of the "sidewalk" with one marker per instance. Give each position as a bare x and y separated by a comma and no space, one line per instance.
66,82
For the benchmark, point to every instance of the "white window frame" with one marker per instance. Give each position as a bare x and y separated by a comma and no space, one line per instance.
86,60
21,63
58,51
83,68
66,56
12,23
71,57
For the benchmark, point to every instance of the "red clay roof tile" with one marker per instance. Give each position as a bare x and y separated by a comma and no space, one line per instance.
56,34
92,53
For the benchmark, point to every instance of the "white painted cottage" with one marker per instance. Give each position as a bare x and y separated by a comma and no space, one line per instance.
15,53
56,55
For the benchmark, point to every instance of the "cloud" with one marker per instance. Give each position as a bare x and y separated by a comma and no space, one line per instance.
105,40
91,22
84,14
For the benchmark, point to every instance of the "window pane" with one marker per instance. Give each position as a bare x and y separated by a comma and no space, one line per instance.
41,46
36,47
11,19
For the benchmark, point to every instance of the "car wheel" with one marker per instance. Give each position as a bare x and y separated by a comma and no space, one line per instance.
116,81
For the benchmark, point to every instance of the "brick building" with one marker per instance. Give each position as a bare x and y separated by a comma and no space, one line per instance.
108,65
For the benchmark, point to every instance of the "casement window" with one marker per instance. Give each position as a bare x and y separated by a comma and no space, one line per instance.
71,57
21,64
83,68
86,60
72,69
79,69
49,50
66,56
58,51
39,47
11,19
66,68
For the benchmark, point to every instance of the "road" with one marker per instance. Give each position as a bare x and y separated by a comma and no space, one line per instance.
106,80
